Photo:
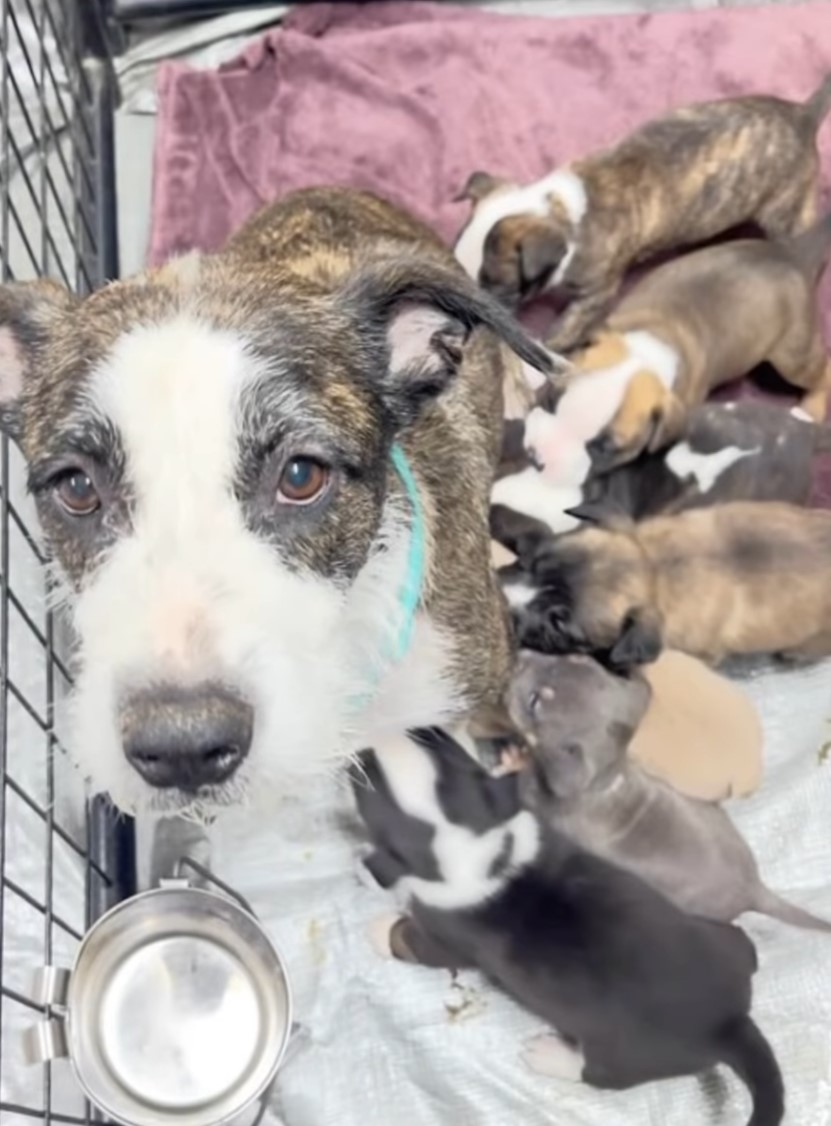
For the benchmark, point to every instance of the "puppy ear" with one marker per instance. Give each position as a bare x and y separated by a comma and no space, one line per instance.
521,534
384,868
479,184
27,312
548,395
443,748
606,514
540,252
668,425
640,641
547,625
421,314
589,512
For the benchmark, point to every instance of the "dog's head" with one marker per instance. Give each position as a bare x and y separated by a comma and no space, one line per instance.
511,249
422,785
634,410
577,718
209,448
589,591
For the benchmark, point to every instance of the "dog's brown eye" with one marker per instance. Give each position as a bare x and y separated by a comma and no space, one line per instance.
76,493
302,481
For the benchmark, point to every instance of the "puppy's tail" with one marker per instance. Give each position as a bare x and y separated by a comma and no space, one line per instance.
819,103
745,1050
769,903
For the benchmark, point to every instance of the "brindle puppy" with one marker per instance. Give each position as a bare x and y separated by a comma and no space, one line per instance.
738,579
677,181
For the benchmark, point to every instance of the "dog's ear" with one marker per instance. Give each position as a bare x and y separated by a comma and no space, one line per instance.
443,748
548,394
589,512
606,514
667,424
540,252
27,313
640,641
547,625
479,184
521,534
384,868
421,314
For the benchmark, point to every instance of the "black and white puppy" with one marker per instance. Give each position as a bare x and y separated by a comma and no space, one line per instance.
748,450
636,989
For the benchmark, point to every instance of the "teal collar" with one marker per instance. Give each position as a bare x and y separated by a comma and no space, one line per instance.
409,595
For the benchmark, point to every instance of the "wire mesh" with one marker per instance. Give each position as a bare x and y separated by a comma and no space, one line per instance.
62,860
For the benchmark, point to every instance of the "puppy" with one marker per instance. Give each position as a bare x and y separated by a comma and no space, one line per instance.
736,579
701,321
636,989
578,720
749,450
677,181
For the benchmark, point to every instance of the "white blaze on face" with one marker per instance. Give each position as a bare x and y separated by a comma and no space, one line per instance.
588,404
533,199
190,593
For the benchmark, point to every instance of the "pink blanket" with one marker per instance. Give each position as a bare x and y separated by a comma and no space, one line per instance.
408,98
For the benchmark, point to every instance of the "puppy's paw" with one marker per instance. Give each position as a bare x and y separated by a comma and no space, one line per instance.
548,1054
379,931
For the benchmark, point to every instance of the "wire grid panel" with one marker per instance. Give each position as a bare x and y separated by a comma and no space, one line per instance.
50,204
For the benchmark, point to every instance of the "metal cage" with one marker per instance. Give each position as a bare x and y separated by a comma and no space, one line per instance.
57,219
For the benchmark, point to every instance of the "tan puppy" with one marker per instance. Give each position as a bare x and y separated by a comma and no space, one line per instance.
736,579
699,322
677,181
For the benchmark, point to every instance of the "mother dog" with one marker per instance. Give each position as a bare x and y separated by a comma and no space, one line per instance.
263,475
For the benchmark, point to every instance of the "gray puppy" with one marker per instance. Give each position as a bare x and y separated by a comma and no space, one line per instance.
578,719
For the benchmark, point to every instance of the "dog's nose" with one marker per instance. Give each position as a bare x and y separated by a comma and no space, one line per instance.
186,738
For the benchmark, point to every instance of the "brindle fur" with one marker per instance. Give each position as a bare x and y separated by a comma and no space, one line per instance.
678,181
302,262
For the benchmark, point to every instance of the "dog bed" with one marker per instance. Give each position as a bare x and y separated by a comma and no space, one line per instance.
407,99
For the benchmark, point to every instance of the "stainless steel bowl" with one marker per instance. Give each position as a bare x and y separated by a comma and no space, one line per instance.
178,1009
